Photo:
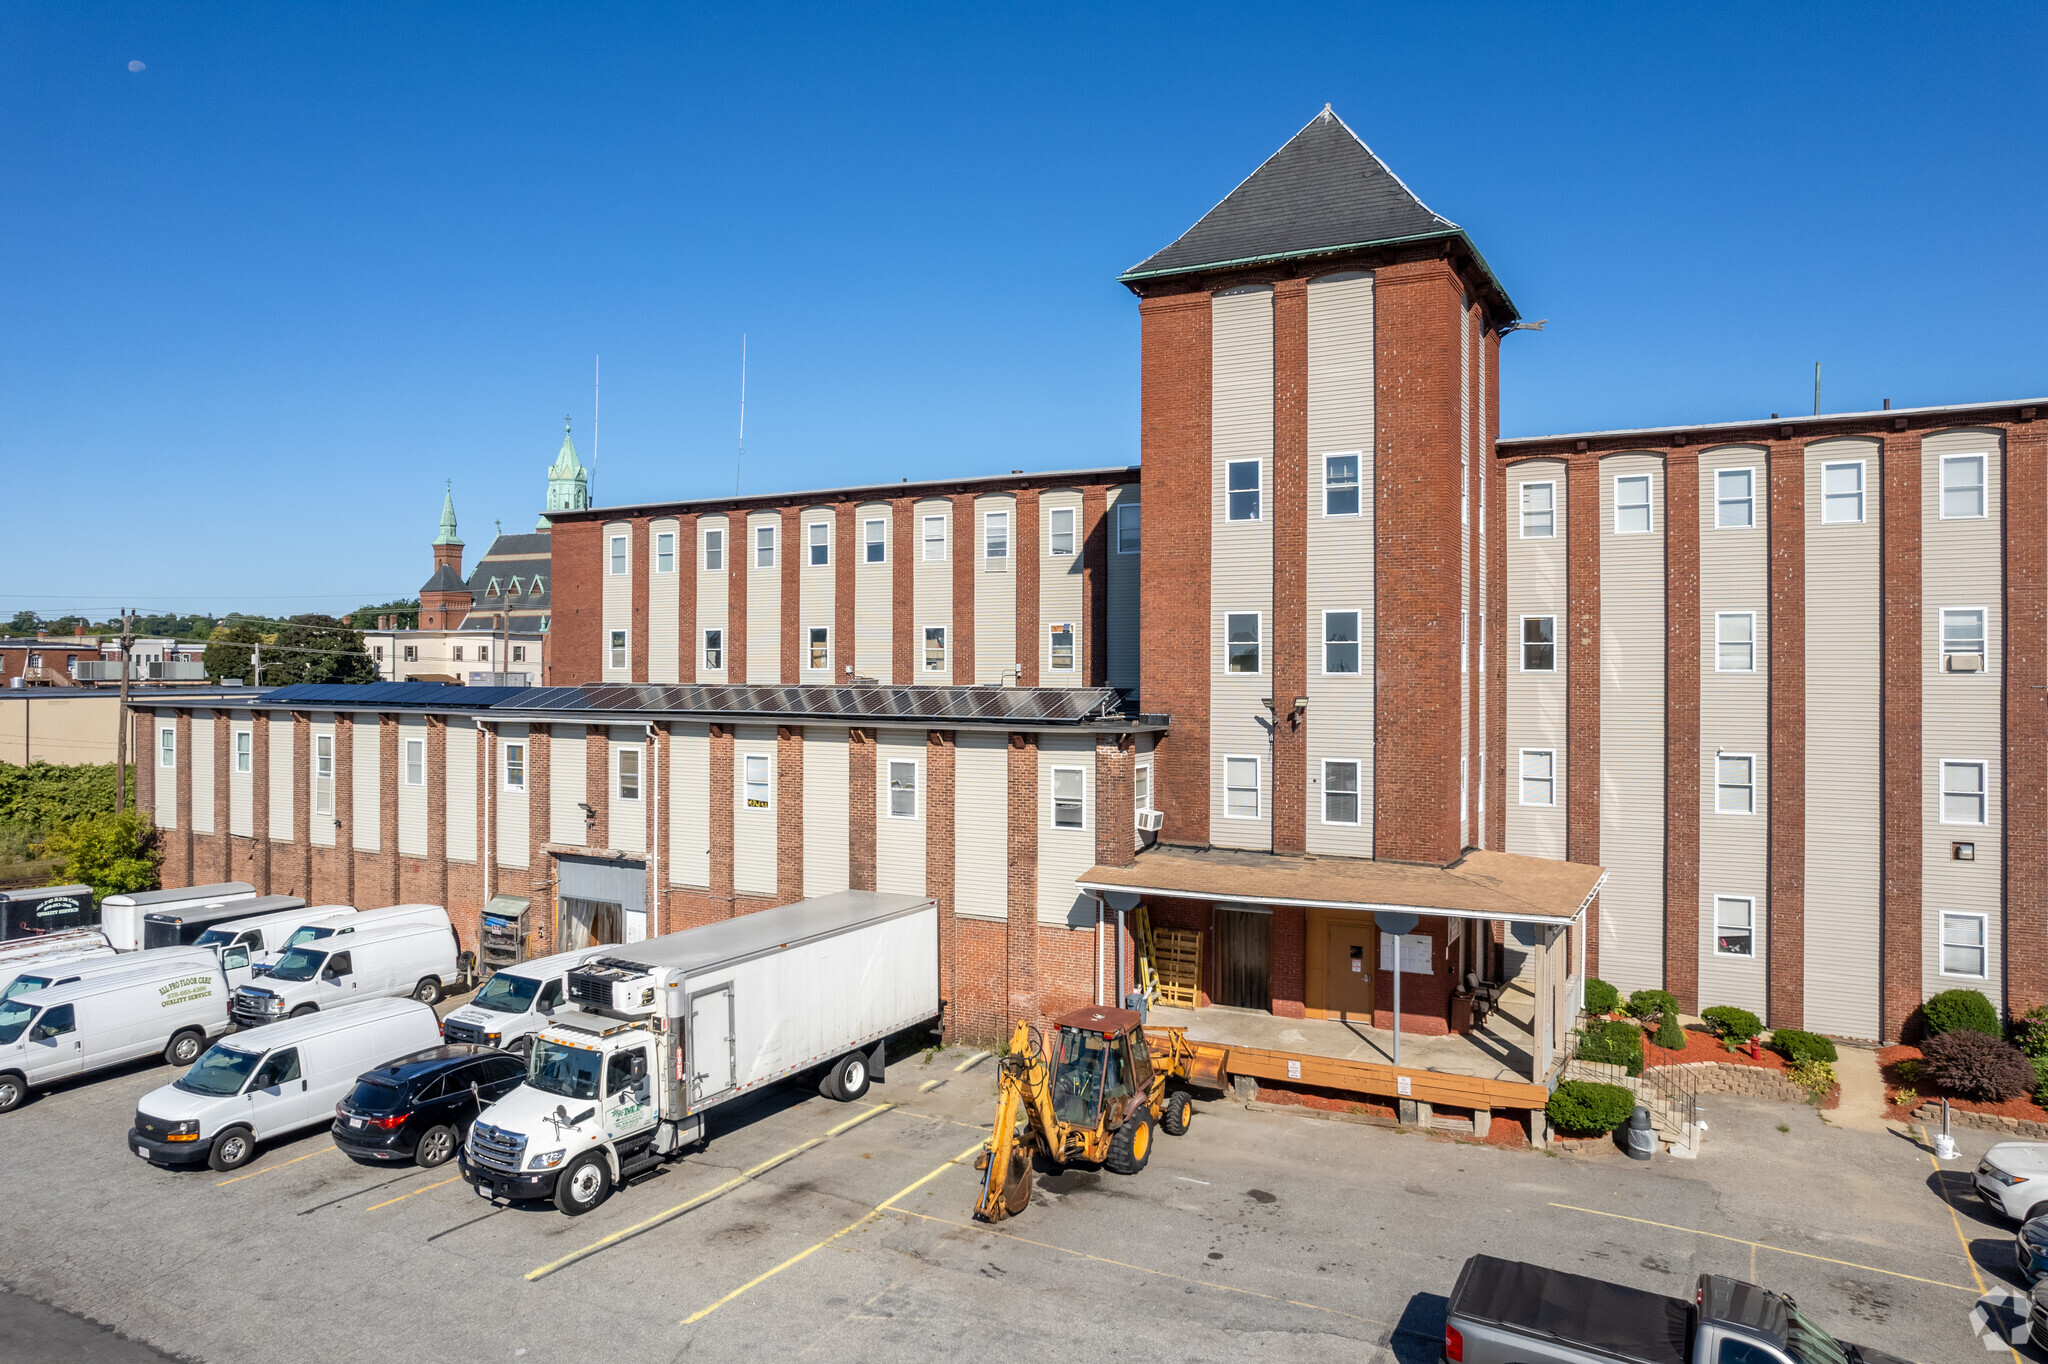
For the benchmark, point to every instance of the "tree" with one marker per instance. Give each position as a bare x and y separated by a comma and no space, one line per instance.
24,623
316,648
227,652
405,615
113,853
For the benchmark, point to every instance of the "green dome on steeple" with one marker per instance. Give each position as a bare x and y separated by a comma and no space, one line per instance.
568,480
448,535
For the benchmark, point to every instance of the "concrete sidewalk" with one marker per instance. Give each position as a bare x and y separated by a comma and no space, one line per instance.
1862,1091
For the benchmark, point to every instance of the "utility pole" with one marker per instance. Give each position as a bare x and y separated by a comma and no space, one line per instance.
256,664
121,730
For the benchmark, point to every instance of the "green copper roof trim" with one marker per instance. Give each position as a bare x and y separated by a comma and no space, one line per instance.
448,535
1134,276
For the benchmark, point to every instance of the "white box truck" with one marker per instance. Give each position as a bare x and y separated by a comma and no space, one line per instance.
121,915
518,1001
659,1033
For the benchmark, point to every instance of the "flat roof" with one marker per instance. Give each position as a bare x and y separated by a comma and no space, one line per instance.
871,492
1479,885
766,930
1808,420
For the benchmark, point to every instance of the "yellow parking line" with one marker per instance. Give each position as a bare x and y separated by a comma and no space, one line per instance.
1766,1245
402,1197
268,1168
929,1085
865,1218
1957,1222
705,1197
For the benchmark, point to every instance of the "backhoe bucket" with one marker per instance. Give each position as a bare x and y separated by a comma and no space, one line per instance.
1006,1192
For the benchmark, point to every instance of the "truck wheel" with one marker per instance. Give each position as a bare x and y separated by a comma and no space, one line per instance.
232,1149
428,991
1131,1147
436,1147
583,1185
184,1049
848,1077
305,1009
1178,1113
13,1089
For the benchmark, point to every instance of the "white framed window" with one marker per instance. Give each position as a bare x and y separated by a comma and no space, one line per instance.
1340,791
1127,527
934,539
1539,511
618,561
902,788
628,787
515,767
1242,485
1962,630
618,649
415,762
1340,643
1962,487
820,656
714,550
1962,792
519,653
714,650
1141,786
1632,504
874,539
483,653
995,539
1841,493
1734,926
1734,499
245,751
664,555
458,653
1240,788
167,746
1069,806
1241,642
1735,641
764,546
323,774
820,533
1062,646
1340,484
412,653
935,648
755,775
1059,524
1539,776
1964,951
380,653
1539,644
1734,784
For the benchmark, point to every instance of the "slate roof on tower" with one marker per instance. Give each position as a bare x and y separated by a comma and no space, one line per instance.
1323,192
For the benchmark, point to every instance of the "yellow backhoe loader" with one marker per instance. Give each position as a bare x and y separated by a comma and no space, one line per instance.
1091,1093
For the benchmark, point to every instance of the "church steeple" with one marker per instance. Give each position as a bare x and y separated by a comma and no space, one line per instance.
568,480
448,545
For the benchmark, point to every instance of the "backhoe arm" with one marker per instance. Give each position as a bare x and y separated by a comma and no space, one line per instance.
1023,1097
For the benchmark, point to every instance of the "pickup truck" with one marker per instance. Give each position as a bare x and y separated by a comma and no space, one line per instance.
1506,1312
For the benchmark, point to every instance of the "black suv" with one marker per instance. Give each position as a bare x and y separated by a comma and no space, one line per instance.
420,1106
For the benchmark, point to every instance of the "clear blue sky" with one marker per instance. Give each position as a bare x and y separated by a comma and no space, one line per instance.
265,295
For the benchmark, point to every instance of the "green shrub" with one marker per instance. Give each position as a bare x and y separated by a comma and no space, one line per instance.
1796,1046
1959,1011
2041,1080
2029,1032
1581,1108
114,854
1732,1023
1601,998
1670,1033
1617,1043
1977,1066
1817,1078
1652,1005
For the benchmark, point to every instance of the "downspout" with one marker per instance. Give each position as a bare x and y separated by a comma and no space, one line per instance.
653,832
490,761
1098,944
1119,958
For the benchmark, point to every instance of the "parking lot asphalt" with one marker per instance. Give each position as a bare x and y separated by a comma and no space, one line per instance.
834,1230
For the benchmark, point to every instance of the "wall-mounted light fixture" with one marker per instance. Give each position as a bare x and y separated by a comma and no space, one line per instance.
1963,852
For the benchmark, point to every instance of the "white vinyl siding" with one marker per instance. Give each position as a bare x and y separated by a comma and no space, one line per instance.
1241,551
981,820
412,785
242,779
995,597
714,593
899,843
1536,701
664,600
1064,853
1339,550
165,745
1632,650
754,830
764,598
931,581
617,601
1124,583
462,812
568,780
817,595
368,757
874,644
689,804
201,758
511,805
1060,596
630,784
278,778
826,834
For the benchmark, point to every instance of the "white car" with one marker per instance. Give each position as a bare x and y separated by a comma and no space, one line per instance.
2013,1178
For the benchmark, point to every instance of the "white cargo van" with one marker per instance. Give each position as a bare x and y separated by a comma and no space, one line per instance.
254,1086
165,1006
121,915
56,950
44,977
265,929
518,1001
412,959
390,916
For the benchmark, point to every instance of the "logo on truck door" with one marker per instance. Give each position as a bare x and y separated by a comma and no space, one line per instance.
626,1082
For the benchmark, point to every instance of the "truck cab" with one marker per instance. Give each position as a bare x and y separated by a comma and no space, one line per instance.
516,1003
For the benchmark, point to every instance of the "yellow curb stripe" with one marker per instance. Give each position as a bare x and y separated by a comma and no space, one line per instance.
1957,1222
402,1197
268,1168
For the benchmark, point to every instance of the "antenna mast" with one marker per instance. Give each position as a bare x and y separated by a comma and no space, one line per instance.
739,454
596,395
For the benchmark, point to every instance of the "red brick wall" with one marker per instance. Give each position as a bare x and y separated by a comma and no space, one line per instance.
860,808
639,547
1174,570
1682,627
1290,564
1115,815
795,554
1899,965
1582,682
737,557
1287,955
845,554
938,859
1022,946
576,624
342,875
689,638
2026,716
597,786
789,793
904,624
1497,606
966,547
541,757
721,798
1786,935
1474,474
1425,1000
1029,560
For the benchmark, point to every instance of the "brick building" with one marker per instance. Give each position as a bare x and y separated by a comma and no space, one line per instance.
1344,673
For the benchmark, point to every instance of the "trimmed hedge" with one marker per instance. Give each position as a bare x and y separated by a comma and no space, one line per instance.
1670,1032
1796,1046
2041,1080
2030,1032
1732,1023
1601,998
1652,1005
1977,1066
1616,1043
1581,1108
1960,1011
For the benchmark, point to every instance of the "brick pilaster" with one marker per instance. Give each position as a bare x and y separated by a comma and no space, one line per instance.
597,783
796,552
2025,488
388,776
845,556
860,808
1497,607
721,798
1287,951
1899,957
222,861
1028,559
1582,676
689,645
639,547
789,796
966,551
467,927
344,799
1116,829
909,630
738,554
939,834
1786,934
1021,944
1682,646
259,802
302,807
540,766
180,795
1290,568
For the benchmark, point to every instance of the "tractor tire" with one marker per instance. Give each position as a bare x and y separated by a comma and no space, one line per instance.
1178,1112
1131,1147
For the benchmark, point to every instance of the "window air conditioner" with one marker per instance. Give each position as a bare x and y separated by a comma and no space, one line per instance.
1151,821
1965,663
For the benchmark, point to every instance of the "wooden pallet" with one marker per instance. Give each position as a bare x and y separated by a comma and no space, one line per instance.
1180,966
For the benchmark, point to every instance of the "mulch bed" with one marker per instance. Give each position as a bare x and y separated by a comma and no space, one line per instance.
1888,1059
1702,1045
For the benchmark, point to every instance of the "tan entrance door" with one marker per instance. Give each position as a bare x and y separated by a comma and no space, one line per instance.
1350,962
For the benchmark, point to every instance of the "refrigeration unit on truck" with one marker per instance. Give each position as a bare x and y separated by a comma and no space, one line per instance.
659,1033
